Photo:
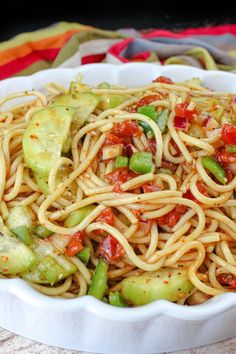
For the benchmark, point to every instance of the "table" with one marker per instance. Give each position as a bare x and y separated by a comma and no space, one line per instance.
12,344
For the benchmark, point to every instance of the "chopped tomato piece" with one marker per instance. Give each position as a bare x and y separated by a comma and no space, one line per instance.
181,111
150,187
106,216
73,248
112,139
117,188
170,219
169,165
145,226
146,100
152,145
126,129
202,190
225,157
228,134
78,236
110,249
120,175
227,279
181,123
163,80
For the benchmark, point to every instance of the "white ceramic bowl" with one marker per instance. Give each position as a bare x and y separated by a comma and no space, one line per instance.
85,323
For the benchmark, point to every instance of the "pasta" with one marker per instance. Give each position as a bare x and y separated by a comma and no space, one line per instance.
124,194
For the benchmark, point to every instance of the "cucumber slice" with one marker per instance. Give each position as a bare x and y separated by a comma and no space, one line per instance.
45,136
20,216
15,257
50,267
167,283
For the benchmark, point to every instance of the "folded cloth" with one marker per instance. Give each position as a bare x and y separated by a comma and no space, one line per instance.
71,44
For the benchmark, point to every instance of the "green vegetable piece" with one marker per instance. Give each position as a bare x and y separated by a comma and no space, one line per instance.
50,267
84,255
162,119
22,232
20,221
45,136
20,216
166,171
98,285
149,111
215,168
167,283
116,299
104,86
231,149
84,104
78,215
141,162
42,183
41,231
15,257
111,101
121,161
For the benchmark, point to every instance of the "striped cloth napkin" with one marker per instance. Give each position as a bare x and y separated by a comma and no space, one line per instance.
71,44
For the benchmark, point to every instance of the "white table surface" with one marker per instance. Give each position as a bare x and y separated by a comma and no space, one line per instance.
13,344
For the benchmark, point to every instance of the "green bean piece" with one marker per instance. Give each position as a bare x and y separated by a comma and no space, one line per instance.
215,168
84,255
98,285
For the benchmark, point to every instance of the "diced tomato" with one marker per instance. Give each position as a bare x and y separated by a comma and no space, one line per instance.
164,80
78,236
112,139
152,145
106,216
228,134
150,187
170,219
225,157
169,165
146,100
206,121
145,226
73,248
181,111
110,249
202,190
126,129
117,188
181,123
227,279
120,175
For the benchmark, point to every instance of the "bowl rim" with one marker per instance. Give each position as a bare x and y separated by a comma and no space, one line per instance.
22,290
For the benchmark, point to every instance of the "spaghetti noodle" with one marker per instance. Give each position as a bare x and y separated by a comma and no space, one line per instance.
124,194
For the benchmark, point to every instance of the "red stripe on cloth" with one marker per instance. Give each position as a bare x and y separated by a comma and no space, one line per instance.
200,31
93,58
117,48
20,64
